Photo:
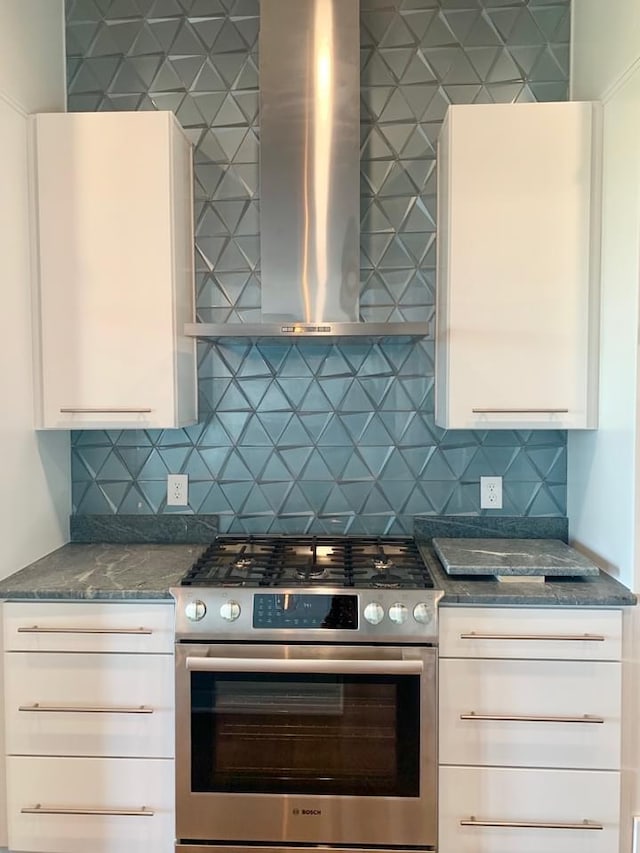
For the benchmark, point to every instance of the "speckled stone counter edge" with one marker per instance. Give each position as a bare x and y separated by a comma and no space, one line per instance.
491,527
144,529
600,591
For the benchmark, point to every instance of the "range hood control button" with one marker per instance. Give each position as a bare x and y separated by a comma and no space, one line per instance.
398,614
230,611
374,613
422,613
195,610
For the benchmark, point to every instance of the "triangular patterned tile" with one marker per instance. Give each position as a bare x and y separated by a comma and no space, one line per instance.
376,72
356,469
549,19
316,468
356,423
295,502
154,492
418,145
256,503
418,502
557,474
548,68
520,467
355,401
376,434
189,114
294,435
398,34
502,19
439,34
374,147
356,494
438,468
236,493
440,495
549,91
374,246
235,469
274,400
461,22
134,458
377,504
337,502
95,501
255,434
504,69
174,457
215,502
375,458
233,400
115,493
229,39
275,493
314,424
375,293
526,31
85,11
275,423
135,502
375,99
419,20
311,498
93,458
505,93
374,25
337,459
254,365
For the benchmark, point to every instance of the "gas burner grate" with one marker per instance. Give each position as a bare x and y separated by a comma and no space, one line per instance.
268,561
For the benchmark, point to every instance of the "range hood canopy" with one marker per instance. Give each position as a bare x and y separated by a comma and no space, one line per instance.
309,178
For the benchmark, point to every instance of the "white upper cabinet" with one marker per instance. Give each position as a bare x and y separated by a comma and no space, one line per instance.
114,263
518,266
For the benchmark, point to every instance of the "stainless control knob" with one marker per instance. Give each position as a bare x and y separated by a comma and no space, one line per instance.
195,610
374,613
230,611
398,613
422,613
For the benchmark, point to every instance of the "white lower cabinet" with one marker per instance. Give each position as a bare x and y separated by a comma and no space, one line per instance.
500,810
89,710
529,730
90,805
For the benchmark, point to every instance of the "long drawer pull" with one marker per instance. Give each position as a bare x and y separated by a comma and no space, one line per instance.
38,809
525,824
84,411
84,709
527,718
520,411
36,629
573,638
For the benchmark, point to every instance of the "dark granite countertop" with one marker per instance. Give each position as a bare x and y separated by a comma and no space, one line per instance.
102,572
600,591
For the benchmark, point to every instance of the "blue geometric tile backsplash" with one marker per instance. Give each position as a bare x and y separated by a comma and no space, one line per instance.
312,437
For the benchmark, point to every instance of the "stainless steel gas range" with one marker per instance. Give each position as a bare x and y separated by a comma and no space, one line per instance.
306,696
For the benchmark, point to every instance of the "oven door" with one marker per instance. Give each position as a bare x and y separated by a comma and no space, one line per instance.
299,743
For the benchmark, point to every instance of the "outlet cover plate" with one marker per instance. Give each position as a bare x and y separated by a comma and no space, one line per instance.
490,492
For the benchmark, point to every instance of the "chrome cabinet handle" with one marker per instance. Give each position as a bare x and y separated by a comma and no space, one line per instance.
590,638
84,411
520,411
326,667
527,718
36,629
83,709
38,809
525,824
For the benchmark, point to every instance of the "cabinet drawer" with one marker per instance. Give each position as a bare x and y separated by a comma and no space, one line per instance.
468,632
89,704
112,785
529,798
89,627
563,713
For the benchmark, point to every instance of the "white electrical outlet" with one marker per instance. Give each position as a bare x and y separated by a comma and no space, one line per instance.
490,492
177,489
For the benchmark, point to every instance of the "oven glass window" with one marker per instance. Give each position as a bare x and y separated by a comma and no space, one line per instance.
305,734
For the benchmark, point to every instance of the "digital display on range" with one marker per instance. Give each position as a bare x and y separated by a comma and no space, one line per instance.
283,610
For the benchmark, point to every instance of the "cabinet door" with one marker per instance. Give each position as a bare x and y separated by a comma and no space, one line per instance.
551,633
102,805
115,282
517,272
530,713
527,811
86,626
89,704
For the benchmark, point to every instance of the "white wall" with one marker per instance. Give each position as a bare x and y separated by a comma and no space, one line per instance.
35,500
35,505
603,475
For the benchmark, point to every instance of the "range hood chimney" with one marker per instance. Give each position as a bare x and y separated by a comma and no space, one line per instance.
310,177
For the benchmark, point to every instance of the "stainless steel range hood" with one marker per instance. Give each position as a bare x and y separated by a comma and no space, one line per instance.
310,177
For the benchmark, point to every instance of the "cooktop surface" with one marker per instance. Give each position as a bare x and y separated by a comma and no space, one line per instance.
284,561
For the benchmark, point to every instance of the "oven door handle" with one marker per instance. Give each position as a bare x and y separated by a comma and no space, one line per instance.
308,666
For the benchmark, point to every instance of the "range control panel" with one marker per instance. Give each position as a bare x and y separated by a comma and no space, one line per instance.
302,611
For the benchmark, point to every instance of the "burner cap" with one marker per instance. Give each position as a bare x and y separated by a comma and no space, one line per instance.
243,563
388,581
311,572
382,564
